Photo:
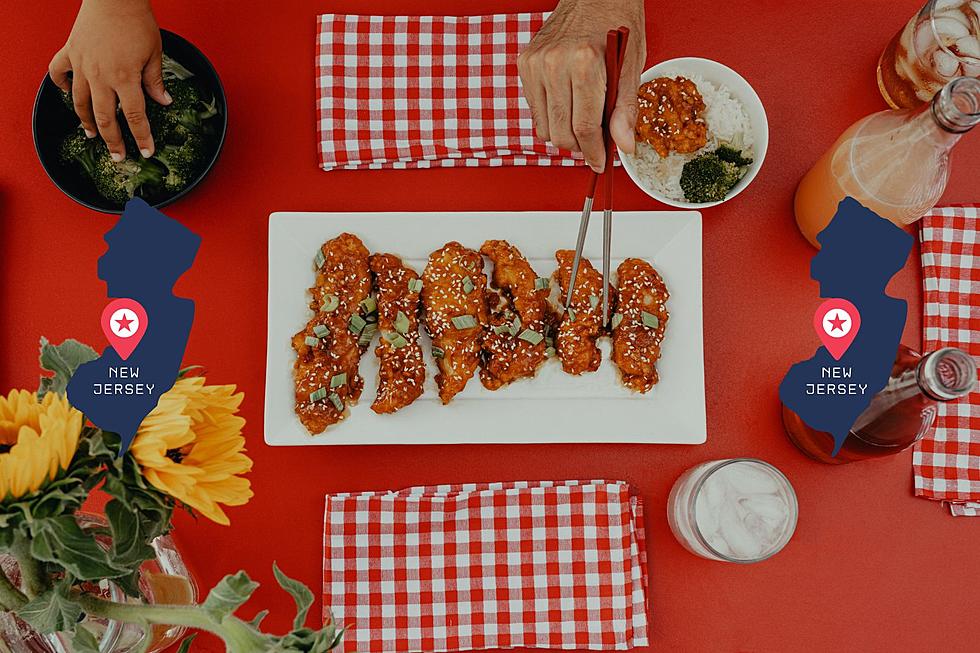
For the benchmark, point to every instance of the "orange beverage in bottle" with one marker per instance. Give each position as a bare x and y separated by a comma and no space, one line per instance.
899,415
895,163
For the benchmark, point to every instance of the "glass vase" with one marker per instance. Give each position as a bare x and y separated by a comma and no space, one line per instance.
164,579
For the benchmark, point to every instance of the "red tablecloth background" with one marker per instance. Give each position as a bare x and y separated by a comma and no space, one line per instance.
870,569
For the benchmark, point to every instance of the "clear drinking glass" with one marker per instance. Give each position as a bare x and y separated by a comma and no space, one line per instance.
939,43
734,510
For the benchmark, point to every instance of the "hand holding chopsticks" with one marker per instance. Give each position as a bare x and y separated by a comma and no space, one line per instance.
616,41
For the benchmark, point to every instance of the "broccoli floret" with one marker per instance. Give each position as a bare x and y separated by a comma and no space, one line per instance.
183,162
78,149
67,99
707,178
185,115
120,181
117,182
728,153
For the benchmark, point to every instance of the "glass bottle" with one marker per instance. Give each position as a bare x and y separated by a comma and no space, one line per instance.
900,414
896,163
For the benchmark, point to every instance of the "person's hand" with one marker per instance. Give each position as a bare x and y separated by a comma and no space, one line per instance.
563,71
113,53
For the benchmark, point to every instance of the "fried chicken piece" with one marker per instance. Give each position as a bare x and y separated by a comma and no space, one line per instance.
581,326
402,369
327,352
669,116
453,297
514,345
637,337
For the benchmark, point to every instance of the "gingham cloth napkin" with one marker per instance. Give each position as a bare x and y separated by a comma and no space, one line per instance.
947,461
543,564
426,91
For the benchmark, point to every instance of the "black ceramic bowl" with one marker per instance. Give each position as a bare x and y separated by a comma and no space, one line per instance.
53,121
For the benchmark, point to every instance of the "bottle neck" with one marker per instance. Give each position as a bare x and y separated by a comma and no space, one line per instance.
956,108
947,374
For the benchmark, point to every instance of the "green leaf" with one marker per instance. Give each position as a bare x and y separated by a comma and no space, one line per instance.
185,645
300,593
62,541
257,619
51,611
62,360
191,370
84,641
130,546
229,594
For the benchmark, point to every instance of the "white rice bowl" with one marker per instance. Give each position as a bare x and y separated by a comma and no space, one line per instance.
729,120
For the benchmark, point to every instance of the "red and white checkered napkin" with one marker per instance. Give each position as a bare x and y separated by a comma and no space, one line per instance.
947,461
450,568
426,91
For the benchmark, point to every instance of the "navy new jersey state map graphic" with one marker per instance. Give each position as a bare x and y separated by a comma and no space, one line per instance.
148,252
860,253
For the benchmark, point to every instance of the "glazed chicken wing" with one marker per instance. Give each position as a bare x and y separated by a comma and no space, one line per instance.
514,345
453,298
327,349
581,325
669,116
402,368
642,318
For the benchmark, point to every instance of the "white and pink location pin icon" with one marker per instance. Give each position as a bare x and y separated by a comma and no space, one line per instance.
124,322
837,322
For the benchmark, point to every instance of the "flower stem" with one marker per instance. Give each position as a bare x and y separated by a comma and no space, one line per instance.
238,636
33,578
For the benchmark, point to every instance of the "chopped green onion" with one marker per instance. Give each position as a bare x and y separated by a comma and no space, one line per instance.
338,380
593,301
571,313
367,335
464,322
396,340
515,327
501,329
541,283
317,395
549,342
330,303
650,320
356,324
414,285
321,330
319,259
311,341
549,352
617,319
468,285
401,323
336,401
531,336
369,305
437,352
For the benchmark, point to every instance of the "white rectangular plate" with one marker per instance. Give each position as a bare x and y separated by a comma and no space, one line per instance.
553,406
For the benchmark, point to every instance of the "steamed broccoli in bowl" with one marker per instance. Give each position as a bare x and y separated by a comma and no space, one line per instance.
710,176
184,133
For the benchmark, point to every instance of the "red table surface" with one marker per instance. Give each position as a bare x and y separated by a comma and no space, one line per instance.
871,568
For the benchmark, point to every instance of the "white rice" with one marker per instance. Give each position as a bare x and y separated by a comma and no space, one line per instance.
727,121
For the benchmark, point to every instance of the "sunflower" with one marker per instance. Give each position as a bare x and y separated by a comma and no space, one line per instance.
38,439
191,447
